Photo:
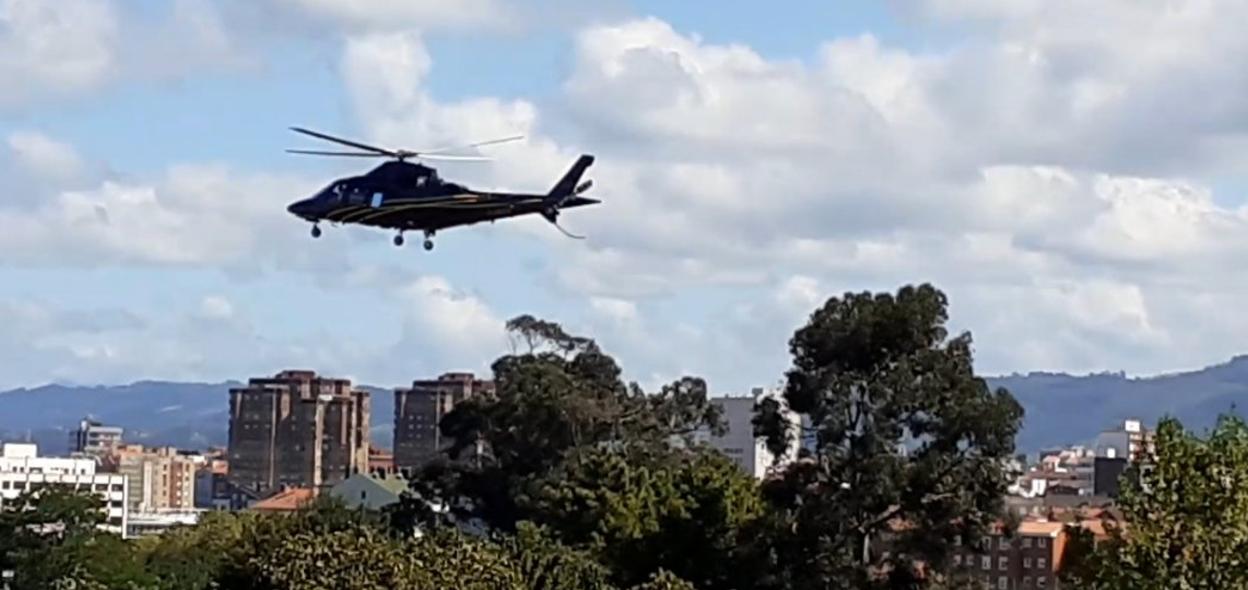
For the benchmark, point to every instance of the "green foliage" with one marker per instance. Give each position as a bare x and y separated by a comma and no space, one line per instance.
198,557
342,560
546,564
876,373
1077,555
642,509
547,407
51,538
664,580
1185,512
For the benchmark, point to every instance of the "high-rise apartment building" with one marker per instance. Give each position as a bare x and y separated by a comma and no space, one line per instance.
93,437
297,429
418,410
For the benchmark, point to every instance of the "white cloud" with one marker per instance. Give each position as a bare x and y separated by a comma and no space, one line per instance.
45,157
371,15
53,49
198,216
462,325
216,307
617,310
74,48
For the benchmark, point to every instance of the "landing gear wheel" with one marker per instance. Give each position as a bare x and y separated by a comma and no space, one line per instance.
398,240
428,244
316,231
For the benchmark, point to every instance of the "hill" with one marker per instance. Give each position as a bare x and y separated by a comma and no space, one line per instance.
186,415
1060,408
1068,409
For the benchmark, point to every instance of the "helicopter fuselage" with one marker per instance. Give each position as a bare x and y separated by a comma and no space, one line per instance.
410,197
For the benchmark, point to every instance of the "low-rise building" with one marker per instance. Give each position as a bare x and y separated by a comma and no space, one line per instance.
287,500
380,462
1029,558
92,437
1129,441
370,491
142,524
23,470
161,479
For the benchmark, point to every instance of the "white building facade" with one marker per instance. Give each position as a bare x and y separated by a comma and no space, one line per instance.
740,444
1128,441
23,470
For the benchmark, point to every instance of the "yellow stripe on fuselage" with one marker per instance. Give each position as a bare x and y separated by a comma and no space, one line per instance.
457,202
365,213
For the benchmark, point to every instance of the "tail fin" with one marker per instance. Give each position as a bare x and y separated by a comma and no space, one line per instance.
566,186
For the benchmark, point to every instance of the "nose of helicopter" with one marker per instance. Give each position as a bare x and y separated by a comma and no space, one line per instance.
302,208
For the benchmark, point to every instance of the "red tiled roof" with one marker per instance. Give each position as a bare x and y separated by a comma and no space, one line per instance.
1037,528
286,500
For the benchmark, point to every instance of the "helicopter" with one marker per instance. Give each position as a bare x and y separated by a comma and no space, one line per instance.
407,196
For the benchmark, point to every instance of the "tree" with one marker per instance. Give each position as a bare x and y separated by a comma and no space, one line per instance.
1076,555
910,445
361,559
1185,513
51,538
546,564
665,580
641,510
564,394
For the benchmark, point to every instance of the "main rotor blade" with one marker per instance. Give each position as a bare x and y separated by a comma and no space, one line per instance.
472,145
342,141
422,156
325,153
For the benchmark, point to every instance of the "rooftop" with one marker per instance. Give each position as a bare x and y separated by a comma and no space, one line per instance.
286,500
1038,528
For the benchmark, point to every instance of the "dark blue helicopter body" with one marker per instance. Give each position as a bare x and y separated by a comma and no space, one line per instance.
405,196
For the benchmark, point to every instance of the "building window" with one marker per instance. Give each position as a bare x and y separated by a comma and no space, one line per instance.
986,562
1040,563
957,560
1003,583
1042,542
1004,543
1026,542
1041,582
1027,563
1003,563
1026,581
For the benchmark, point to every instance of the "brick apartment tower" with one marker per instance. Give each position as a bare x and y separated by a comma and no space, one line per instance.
419,409
297,429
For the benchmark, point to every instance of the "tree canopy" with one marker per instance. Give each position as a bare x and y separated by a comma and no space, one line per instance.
909,443
566,444
1185,515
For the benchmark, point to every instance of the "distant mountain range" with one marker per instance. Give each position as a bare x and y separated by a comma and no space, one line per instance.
1065,409
185,415
1060,409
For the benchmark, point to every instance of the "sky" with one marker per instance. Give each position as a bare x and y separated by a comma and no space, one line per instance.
1069,174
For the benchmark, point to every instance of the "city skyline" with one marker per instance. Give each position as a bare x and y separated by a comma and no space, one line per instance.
748,172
